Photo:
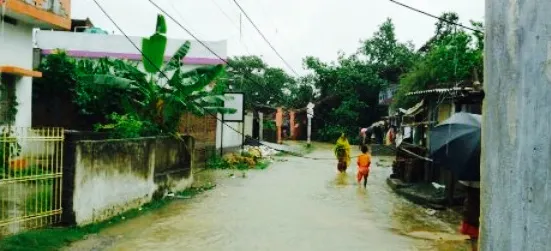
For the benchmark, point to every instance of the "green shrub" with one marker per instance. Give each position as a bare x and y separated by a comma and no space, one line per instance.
127,126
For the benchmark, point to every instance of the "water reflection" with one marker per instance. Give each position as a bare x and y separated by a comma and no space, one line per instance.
342,180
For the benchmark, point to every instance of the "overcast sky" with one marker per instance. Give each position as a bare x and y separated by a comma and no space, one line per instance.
296,28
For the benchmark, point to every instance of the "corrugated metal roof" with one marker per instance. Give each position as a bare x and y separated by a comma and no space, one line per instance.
439,90
416,109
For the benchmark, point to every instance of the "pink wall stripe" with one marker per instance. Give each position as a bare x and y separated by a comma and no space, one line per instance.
133,56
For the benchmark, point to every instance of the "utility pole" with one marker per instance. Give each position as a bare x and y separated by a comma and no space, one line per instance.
309,115
516,130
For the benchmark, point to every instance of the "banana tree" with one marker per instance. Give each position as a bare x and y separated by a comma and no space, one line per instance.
164,91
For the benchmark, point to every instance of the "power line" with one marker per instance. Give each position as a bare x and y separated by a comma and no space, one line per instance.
270,17
178,12
225,14
436,17
234,24
264,37
198,40
163,74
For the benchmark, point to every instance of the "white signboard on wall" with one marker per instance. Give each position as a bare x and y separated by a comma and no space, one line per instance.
235,100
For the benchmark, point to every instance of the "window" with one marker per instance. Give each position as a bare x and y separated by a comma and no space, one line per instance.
7,99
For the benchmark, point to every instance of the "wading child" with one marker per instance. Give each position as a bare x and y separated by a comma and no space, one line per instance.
364,162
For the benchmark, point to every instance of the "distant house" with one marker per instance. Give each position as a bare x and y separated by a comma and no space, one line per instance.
386,95
16,51
80,25
436,105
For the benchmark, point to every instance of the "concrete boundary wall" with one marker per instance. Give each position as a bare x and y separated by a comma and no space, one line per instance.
106,177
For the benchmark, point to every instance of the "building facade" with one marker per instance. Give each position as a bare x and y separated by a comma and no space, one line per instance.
16,52
386,96
96,45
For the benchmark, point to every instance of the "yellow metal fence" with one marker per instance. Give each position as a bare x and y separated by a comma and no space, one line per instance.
31,163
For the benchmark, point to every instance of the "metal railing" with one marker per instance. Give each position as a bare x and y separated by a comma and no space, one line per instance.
30,178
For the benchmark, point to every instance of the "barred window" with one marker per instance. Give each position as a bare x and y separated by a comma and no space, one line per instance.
7,99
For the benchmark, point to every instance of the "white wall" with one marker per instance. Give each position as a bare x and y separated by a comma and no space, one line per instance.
249,118
230,137
86,45
99,43
16,49
233,131
113,176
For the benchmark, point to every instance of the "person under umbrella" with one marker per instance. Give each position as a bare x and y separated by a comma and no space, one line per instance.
471,212
455,143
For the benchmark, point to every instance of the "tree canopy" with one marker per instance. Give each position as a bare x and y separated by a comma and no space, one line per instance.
262,85
451,56
349,86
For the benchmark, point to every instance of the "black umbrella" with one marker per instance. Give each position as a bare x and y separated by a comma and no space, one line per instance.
455,143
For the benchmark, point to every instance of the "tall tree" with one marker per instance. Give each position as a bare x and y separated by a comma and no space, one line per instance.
356,81
261,84
389,57
453,55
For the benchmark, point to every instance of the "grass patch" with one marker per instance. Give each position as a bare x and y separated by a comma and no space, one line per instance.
41,201
262,165
308,148
51,239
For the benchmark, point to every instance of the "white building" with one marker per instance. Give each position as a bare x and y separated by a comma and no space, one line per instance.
16,50
90,45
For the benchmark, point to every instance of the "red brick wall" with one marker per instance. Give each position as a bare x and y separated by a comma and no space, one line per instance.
203,129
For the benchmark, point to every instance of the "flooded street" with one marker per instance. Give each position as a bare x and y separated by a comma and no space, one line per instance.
297,204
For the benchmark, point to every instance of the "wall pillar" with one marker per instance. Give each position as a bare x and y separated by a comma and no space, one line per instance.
516,128
279,123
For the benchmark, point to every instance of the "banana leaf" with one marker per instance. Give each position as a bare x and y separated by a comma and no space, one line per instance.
160,25
110,80
211,99
203,70
176,60
154,47
203,79
176,79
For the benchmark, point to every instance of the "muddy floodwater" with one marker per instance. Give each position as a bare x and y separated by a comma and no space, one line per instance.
297,204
